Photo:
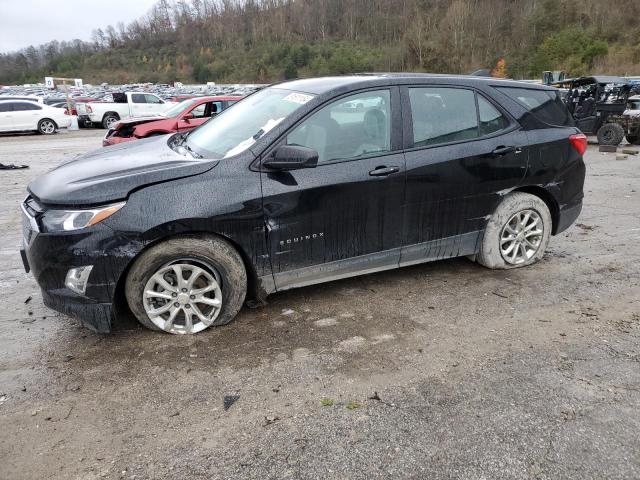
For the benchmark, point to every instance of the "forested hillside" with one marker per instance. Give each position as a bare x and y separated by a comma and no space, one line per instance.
269,40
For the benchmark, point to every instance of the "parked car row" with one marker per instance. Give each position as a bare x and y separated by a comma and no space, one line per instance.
105,92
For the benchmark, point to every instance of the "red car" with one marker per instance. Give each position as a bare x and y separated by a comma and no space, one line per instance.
183,117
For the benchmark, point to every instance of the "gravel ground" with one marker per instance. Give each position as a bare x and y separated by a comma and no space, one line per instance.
444,370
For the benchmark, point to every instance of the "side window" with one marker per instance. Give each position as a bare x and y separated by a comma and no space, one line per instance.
348,128
6,107
138,98
152,99
546,105
199,111
23,106
216,108
491,120
443,115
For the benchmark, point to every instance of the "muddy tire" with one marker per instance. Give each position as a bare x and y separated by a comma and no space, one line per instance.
633,139
517,233
46,126
152,284
109,120
610,134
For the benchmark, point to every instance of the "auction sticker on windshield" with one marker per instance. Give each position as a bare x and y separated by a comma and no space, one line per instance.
299,98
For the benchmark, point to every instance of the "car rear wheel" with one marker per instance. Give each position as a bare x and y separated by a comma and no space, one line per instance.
610,134
47,126
186,285
517,233
109,120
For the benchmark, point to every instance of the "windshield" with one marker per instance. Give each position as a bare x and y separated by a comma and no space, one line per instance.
237,128
180,107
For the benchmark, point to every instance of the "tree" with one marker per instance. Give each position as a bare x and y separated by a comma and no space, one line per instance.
500,70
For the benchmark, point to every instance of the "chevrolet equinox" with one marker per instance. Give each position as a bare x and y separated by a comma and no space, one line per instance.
304,182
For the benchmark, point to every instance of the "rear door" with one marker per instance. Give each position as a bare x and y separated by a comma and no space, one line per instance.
26,115
154,104
6,116
345,216
138,105
462,152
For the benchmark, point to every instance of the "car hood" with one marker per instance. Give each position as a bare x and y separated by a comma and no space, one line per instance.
139,120
111,173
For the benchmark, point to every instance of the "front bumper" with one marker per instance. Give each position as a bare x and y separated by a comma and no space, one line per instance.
49,256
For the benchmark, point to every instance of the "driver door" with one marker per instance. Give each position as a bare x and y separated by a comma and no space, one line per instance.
343,217
201,113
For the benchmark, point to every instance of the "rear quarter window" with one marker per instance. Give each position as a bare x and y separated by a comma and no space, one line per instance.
545,105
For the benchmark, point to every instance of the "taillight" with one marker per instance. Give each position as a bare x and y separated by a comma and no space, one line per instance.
89,109
579,142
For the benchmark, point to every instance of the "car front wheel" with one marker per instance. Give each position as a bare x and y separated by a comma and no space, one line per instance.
187,284
47,126
517,233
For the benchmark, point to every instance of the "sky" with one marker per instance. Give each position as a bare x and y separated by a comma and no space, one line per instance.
32,22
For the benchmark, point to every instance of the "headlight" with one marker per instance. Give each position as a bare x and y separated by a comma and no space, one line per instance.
67,220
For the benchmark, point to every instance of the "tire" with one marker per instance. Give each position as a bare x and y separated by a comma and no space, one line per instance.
633,139
610,134
512,208
109,119
216,257
46,126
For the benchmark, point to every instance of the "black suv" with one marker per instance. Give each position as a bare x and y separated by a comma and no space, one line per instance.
305,182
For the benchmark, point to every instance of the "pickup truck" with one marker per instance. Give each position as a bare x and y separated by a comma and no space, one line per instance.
124,105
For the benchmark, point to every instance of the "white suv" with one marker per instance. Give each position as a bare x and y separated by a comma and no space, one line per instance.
22,115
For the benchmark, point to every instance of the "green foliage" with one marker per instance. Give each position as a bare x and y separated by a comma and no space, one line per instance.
263,41
572,49
353,405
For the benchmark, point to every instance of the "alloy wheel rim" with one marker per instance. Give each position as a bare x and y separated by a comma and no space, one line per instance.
183,297
47,126
111,122
521,237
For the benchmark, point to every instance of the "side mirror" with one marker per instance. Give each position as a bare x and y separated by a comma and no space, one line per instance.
292,157
188,116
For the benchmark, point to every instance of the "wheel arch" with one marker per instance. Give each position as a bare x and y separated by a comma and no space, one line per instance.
47,118
548,199
110,112
254,289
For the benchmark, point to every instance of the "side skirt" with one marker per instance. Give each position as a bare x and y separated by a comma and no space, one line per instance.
450,247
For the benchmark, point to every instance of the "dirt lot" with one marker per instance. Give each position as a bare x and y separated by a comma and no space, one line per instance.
533,373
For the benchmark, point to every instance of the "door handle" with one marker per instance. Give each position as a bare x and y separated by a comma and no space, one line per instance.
502,150
383,171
